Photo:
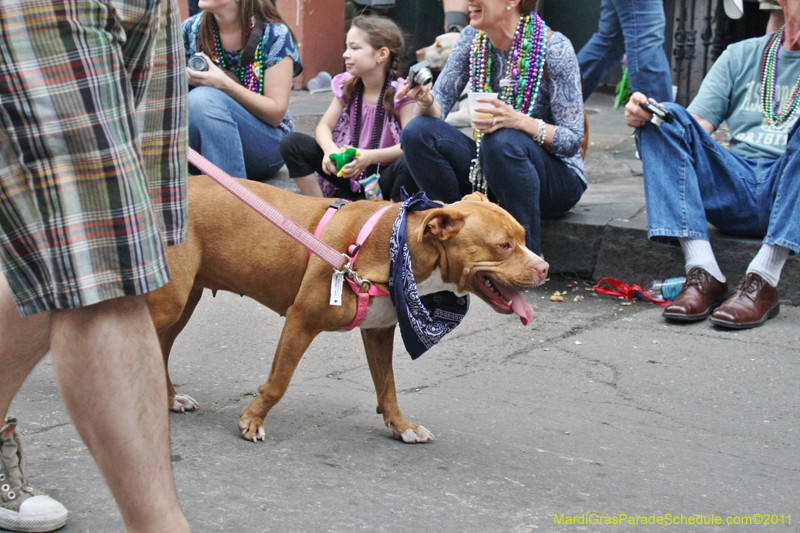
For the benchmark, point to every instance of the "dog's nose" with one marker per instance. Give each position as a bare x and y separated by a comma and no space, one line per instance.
541,267
420,54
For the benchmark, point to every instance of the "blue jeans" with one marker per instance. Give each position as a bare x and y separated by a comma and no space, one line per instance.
529,182
689,178
634,28
229,136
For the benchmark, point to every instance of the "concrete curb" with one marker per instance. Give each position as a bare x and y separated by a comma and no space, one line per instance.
596,247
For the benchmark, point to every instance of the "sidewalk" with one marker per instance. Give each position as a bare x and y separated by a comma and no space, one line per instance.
605,235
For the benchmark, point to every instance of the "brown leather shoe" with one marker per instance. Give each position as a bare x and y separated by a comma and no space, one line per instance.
701,294
753,302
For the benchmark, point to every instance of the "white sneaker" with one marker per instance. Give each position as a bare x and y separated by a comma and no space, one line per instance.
22,507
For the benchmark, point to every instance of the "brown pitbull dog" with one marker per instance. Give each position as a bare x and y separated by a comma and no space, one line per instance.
469,246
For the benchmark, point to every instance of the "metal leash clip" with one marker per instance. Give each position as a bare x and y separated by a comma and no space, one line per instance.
352,274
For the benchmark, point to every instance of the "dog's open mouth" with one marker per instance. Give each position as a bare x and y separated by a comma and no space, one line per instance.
504,299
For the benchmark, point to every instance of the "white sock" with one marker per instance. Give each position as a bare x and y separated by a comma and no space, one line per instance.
699,253
768,263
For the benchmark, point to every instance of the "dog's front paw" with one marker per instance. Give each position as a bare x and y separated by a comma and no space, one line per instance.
415,435
252,428
182,403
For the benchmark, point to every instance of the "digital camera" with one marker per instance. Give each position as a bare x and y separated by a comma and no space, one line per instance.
419,74
660,114
197,62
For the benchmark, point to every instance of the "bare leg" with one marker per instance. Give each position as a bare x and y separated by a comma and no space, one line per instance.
111,375
309,185
23,342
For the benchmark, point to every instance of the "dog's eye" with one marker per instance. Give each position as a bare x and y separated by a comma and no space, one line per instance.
505,246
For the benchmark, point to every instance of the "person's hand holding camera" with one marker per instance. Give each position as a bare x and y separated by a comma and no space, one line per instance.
211,76
635,115
418,86
640,110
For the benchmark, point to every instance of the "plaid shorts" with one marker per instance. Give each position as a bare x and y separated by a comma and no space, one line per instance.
93,148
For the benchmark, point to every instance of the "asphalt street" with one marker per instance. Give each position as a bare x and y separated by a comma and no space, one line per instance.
598,408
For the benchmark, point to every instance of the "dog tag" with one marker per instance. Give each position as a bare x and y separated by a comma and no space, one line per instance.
337,281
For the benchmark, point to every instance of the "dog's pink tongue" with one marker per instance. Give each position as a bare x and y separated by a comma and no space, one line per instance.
518,304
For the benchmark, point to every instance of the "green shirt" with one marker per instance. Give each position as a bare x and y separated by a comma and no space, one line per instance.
731,92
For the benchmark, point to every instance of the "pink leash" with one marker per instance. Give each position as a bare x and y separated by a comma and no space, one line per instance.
342,263
263,208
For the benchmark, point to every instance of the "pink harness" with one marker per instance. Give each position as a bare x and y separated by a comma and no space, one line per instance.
352,252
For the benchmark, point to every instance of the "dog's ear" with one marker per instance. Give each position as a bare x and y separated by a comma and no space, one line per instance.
443,224
475,197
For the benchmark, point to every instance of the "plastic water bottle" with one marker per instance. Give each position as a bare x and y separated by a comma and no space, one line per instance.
662,290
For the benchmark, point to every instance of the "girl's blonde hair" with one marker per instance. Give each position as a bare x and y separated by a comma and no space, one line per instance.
380,32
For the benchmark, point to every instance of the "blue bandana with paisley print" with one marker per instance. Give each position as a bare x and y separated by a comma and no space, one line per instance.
425,320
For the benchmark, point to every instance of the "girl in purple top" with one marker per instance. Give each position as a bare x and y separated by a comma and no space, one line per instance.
364,114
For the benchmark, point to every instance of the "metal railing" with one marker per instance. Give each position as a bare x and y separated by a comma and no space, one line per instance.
697,32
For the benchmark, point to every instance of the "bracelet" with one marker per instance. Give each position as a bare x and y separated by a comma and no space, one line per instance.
433,100
541,133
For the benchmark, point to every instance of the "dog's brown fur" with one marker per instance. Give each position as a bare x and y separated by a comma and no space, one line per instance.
230,247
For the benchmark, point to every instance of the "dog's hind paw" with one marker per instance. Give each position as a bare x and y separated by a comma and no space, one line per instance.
182,403
412,436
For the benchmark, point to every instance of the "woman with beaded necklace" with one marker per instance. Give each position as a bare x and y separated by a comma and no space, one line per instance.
365,114
528,154
238,107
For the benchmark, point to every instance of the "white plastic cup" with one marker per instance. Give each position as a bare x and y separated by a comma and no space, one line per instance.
320,82
474,104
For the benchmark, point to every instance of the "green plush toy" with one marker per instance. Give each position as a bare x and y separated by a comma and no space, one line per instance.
344,157
623,88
